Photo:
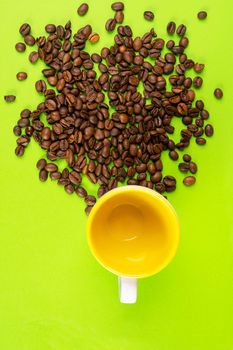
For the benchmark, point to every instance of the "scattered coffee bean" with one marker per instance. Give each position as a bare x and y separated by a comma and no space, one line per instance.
119,17
117,6
20,47
181,30
33,57
209,130
81,192
148,15
25,29
9,98
17,130
29,40
90,200
197,82
171,28
200,141
88,209
173,155
183,167
21,76
43,175
189,180
41,164
218,93
198,67
82,10
193,167
202,14
110,24
93,38
50,28
19,151
186,158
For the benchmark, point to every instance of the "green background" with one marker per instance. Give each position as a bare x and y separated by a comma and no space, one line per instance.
53,294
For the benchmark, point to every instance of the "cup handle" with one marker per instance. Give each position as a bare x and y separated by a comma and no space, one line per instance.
127,289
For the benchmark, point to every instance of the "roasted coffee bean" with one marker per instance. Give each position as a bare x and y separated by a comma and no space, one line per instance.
93,38
186,158
20,47
197,82
50,167
148,15
29,40
82,10
88,209
200,141
81,192
40,86
183,167
41,164
43,175
19,151
117,6
169,181
189,180
209,130
171,28
56,175
218,93
119,17
181,30
69,188
198,67
173,155
50,28
90,200
110,24
33,57
17,130
9,98
25,29
193,167
21,76
202,14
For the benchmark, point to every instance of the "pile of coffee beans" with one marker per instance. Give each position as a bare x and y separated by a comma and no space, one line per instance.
109,114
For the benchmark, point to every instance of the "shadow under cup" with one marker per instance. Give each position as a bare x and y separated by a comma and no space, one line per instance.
133,231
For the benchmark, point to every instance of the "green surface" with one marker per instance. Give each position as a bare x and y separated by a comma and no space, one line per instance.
53,294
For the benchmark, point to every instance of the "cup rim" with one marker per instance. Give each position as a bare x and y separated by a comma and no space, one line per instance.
108,195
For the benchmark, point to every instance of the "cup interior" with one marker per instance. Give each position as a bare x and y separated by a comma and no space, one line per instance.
133,231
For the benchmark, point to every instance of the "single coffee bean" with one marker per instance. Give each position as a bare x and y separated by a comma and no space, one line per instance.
202,14
173,155
197,82
186,158
204,114
88,209
43,175
50,167
148,15
9,98
90,200
189,180
119,17
200,105
40,86
56,175
101,191
169,181
25,113
170,44
218,93
29,40
33,57
41,164
21,76
50,28
81,192
198,67
20,47
181,30
17,130
160,187
183,167
209,130
25,29
69,188
110,24
117,6
193,167
171,28
93,38
82,10
200,141
19,151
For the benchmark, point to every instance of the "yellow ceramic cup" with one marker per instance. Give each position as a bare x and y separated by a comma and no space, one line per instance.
133,232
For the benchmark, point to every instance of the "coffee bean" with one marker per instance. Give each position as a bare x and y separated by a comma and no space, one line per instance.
56,175
183,167
17,130
43,175
198,67
33,57
69,188
209,130
93,38
9,98
41,164
148,15
202,14
110,24
82,10
90,200
40,86
189,180
81,192
171,28
200,141
21,76
119,17
173,155
25,29
187,158
181,30
169,181
50,167
29,40
218,93
20,47
88,209
50,28
19,151
117,6
197,82
193,167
